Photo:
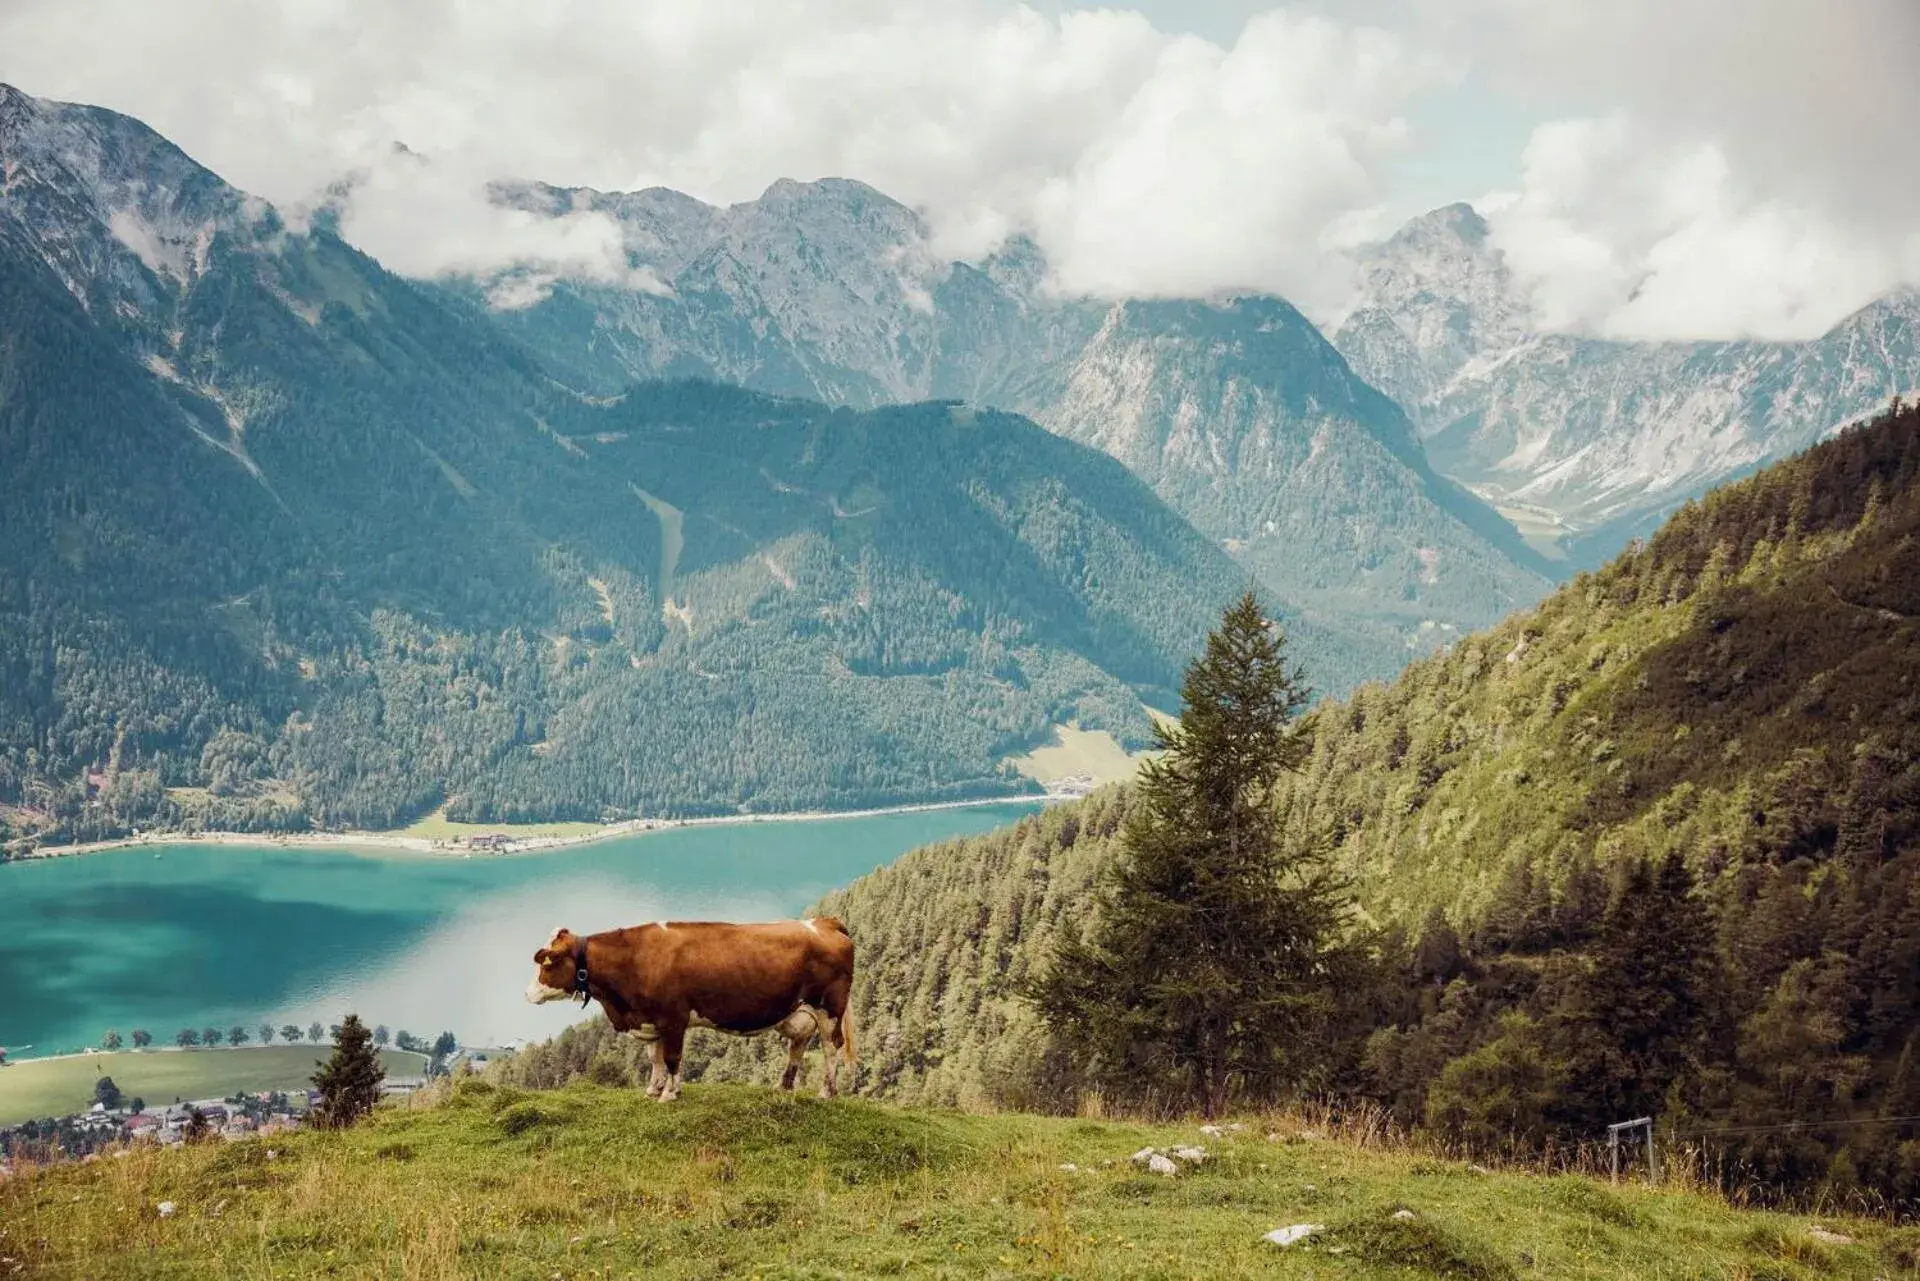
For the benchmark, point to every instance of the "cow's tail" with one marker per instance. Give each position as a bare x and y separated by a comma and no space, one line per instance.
847,1050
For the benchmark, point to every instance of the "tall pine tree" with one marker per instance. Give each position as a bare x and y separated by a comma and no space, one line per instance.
1636,1019
349,1082
1214,948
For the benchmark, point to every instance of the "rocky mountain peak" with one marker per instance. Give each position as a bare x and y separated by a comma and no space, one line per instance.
110,205
1459,222
1434,297
1592,441
14,107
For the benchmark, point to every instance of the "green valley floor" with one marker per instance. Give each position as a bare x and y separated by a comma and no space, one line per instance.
742,1181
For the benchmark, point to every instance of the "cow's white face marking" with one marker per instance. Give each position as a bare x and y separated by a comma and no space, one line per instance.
539,993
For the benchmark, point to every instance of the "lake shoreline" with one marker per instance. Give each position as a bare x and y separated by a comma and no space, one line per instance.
397,841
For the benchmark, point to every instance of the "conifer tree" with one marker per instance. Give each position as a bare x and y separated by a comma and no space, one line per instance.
1636,1020
1213,946
349,1082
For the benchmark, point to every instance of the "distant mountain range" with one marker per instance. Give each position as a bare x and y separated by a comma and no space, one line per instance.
1236,410
1592,440
291,539
287,539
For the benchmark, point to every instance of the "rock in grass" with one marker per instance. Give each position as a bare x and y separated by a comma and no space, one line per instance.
1213,1131
1405,1216
1142,1156
1161,1165
1827,1236
1192,1156
1284,1237
165,1209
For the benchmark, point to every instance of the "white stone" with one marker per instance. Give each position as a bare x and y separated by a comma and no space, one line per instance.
166,1209
1144,1154
1160,1165
1068,1167
1192,1156
1405,1216
1826,1236
1298,1232
1212,1131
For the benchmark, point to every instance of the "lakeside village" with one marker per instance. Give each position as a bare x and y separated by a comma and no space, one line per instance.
86,1135
111,1125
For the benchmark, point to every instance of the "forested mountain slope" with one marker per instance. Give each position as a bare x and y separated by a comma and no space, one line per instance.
289,540
1237,411
1653,846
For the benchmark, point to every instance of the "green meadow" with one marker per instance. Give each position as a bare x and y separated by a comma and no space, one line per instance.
487,1181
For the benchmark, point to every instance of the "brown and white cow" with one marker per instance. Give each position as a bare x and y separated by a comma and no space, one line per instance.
656,981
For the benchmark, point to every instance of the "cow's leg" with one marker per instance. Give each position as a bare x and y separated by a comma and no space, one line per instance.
796,1055
829,1036
657,1078
836,1035
673,1039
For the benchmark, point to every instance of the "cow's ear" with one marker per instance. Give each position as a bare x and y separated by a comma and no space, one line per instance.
542,956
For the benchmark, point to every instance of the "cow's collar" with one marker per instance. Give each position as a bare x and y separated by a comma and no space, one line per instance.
580,970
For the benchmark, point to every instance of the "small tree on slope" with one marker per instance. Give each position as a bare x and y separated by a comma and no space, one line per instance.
1211,957
349,1082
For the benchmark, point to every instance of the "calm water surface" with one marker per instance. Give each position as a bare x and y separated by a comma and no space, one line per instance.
217,935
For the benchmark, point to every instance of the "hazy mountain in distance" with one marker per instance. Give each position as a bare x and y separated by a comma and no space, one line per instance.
1236,409
1594,439
288,539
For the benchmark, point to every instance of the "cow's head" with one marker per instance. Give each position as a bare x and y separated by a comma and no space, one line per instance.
553,969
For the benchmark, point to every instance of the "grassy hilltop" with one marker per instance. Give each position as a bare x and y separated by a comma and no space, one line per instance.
742,1181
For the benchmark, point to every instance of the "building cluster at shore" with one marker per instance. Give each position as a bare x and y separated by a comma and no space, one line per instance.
85,1135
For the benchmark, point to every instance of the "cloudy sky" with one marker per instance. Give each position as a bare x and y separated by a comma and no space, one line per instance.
1651,168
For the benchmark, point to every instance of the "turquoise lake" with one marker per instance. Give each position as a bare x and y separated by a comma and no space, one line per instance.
212,935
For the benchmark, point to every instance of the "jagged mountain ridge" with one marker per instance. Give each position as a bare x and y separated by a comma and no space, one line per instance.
830,289
291,540
1601,437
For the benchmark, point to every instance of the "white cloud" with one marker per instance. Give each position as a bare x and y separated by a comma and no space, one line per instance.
1750,171
1710,167
1235,168
1144,162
